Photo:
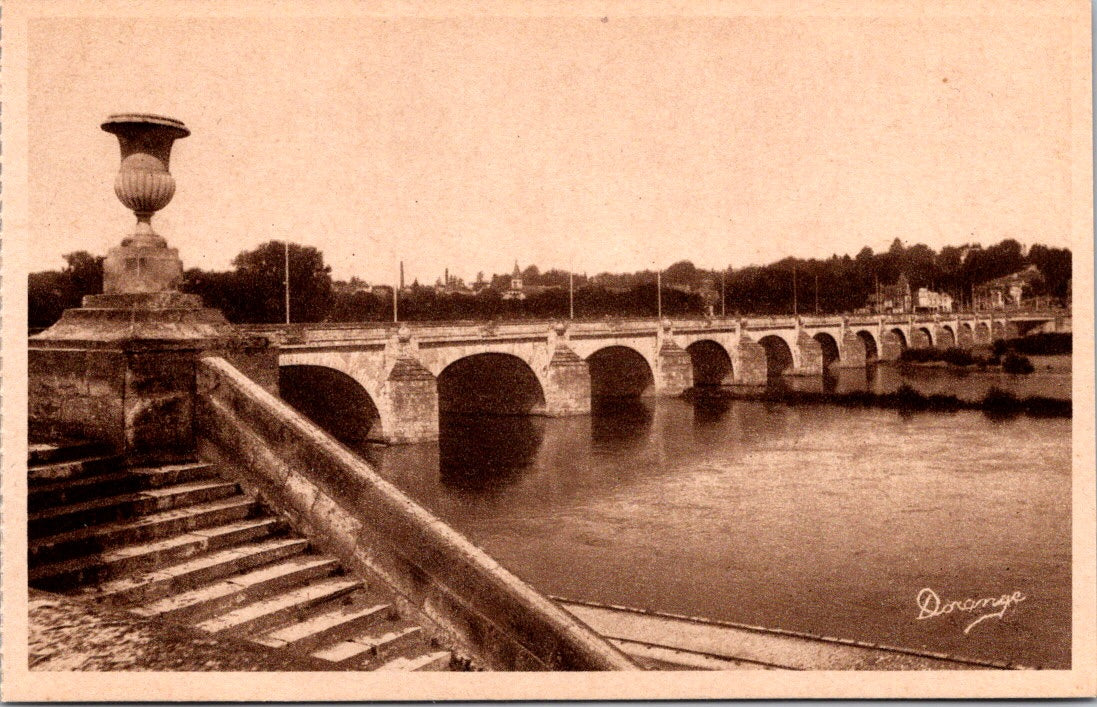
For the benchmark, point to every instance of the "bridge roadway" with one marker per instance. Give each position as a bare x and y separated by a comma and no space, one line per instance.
399,376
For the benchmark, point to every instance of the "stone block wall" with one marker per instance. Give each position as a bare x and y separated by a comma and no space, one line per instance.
675,369
137,396
750,362
158,406
811,356
137,399
891,346
408,403
76,393
566,384
852,351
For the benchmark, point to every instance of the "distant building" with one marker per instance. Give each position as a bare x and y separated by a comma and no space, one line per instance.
1009,291
516,290
350,287
709,295
893,299
926,300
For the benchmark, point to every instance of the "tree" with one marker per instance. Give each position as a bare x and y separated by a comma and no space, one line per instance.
683,273
260,274
50,293
85,272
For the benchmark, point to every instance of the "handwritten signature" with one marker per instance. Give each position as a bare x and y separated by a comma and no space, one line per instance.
930,606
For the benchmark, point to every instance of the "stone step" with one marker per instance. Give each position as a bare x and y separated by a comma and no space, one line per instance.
39,453
265,614
71,491
128,505
72,468
351,617
427,662
368,649
155,526
148,586
99,567
211,600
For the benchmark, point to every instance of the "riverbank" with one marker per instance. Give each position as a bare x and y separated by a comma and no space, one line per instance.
996,402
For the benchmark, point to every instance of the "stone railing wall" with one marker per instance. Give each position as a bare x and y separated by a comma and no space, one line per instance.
343,505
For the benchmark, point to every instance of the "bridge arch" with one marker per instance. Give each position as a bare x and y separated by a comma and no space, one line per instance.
829,348
711,363
872,347
901,338
982,333
946,338
619,372
921,338
332,399
490,383
778,354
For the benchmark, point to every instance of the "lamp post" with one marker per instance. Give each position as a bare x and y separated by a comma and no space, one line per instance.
659,295
571,295
795,306
723,293
285,245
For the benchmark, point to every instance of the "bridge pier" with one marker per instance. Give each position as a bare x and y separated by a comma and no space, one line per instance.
408,403
852,351
982,333
944,337
965,337
807,357
890,346
673,369
566,383
749,362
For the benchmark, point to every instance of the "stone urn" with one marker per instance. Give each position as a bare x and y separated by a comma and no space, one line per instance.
143,263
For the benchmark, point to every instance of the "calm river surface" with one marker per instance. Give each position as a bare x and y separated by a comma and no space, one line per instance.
812,518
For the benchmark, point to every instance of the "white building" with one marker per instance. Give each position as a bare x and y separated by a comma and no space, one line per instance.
926,300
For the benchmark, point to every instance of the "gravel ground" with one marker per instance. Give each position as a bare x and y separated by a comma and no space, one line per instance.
69,635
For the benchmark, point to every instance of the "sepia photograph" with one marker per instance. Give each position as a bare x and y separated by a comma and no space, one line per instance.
547,351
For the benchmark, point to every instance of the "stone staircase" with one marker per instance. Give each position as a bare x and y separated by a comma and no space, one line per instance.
177,543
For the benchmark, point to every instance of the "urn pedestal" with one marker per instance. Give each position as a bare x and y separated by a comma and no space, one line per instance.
144,262
121,368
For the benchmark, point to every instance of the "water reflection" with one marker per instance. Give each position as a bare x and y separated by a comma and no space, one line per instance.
478,453
966,384
619,424
708,410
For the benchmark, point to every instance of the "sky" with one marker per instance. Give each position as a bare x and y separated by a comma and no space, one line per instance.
584,143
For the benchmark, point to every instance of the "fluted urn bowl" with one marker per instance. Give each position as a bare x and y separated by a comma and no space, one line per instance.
144,183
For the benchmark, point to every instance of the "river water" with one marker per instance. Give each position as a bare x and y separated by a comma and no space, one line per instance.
813,518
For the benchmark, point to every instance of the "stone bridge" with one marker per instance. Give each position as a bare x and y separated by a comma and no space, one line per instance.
391,381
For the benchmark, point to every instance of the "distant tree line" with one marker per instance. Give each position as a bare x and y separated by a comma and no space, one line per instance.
254,290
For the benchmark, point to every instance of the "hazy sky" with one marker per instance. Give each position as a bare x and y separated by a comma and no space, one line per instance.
574,142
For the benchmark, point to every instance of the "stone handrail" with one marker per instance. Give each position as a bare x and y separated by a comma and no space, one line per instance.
346,508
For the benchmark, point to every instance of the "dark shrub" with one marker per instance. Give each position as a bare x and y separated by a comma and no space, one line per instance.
957,357
1046,344
1012,363
998,399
